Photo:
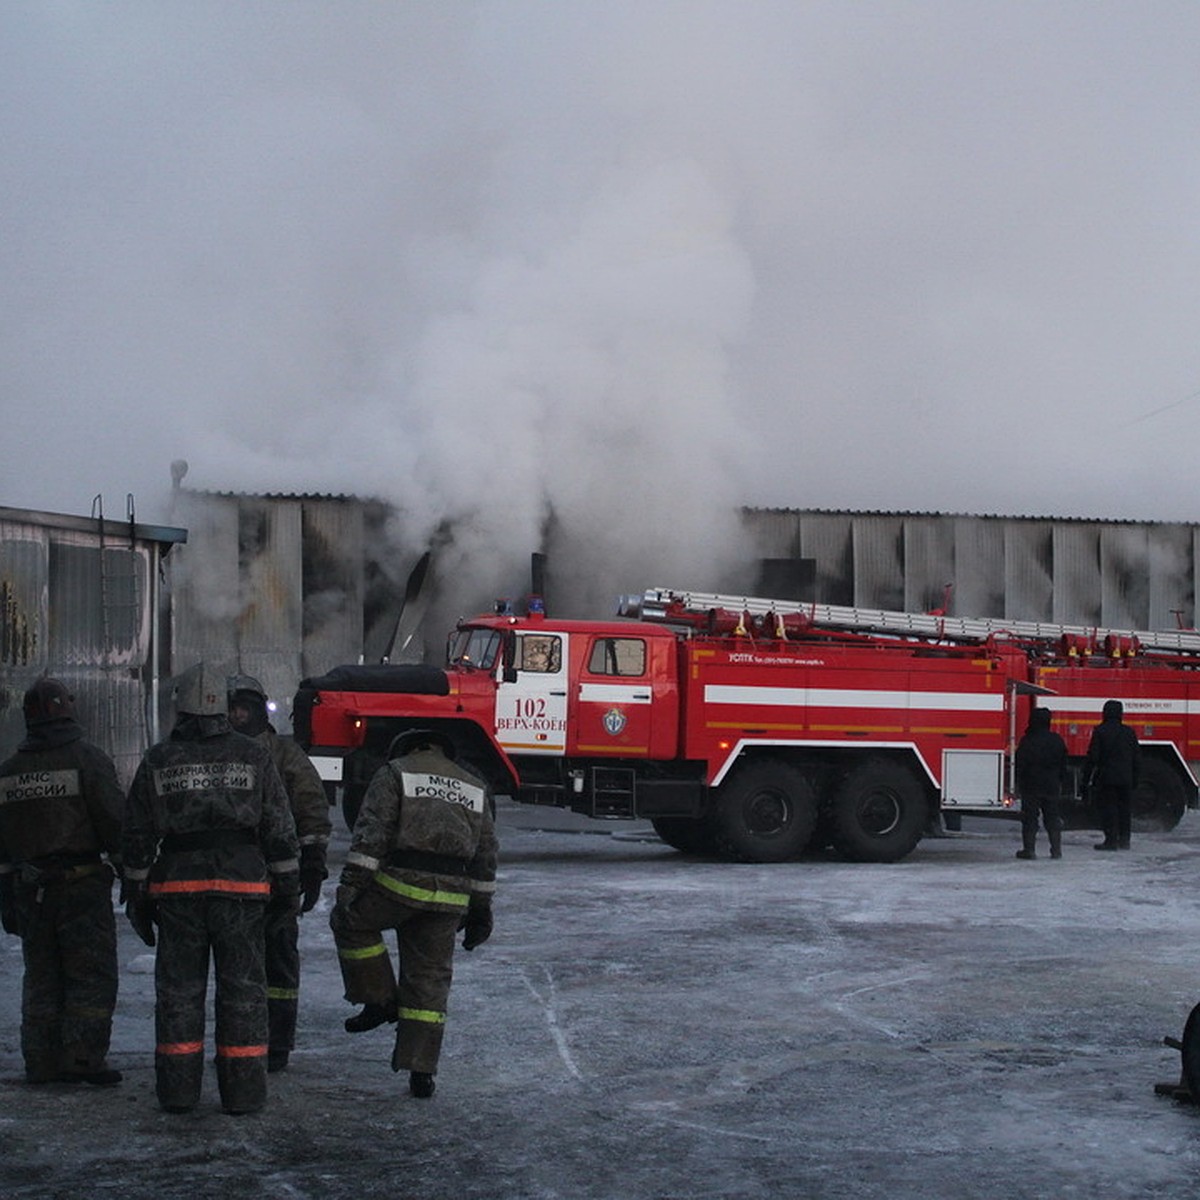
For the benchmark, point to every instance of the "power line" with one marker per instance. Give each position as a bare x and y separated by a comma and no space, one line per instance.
1154,412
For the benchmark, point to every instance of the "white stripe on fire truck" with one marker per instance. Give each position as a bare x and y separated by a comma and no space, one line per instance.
854,698
614,693
1135,706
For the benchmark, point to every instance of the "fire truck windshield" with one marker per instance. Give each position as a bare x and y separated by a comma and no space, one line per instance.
475,649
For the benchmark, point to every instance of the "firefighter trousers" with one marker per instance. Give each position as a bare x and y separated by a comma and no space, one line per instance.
283,978
190,930
426,943
69,989
1116,811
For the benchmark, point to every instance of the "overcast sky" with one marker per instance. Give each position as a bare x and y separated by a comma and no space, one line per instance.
638,262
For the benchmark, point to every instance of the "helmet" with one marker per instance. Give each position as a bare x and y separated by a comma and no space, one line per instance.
247,701
198,692
244,683
47,700
412,740
1039,718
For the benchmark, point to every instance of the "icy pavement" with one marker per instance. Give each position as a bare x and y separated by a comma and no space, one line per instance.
644,1026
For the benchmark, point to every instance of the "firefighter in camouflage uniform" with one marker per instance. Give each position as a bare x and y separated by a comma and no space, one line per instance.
310,809
422,861
209,845
60,809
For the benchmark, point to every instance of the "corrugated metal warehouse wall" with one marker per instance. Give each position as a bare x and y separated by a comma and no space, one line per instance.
270,586
283,587
1127,575
77,601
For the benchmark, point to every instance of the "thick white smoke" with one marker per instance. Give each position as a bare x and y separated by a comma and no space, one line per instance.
586,277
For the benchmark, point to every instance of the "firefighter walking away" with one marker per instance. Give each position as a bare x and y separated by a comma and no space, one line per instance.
60,810
209,846
310,808
422,861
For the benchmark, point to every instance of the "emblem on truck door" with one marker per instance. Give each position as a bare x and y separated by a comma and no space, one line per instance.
614,722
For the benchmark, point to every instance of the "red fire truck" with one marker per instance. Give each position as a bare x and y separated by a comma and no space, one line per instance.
755,728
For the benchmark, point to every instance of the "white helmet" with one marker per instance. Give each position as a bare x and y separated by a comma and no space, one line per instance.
200,691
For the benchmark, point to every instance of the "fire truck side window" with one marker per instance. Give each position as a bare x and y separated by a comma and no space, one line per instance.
618,656
541,653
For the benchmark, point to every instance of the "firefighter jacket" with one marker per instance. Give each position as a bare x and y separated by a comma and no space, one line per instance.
1041,759
305,791
60,802
425,835
1113,756
207,815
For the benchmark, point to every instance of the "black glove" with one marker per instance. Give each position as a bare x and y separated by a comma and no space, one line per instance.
10,916
476,926
312,875
285,895
139,908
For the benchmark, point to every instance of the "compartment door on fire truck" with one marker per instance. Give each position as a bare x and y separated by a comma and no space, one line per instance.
531,712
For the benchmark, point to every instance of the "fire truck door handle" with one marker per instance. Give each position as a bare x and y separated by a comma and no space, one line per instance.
641,695
562,693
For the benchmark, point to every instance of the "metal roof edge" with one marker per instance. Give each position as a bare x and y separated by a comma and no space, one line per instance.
165,534
863,512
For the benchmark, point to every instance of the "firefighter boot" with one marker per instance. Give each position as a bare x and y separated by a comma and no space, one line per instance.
371,1017
1029,840
421,1084
1055,836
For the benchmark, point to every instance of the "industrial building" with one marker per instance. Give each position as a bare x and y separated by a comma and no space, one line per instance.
286,586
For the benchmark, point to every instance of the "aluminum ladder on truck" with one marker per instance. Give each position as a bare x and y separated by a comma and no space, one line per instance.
655,603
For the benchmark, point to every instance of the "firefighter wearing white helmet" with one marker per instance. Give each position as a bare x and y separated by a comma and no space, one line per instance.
422,861
248,714
210,844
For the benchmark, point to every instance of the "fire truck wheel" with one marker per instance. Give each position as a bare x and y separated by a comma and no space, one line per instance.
765,812
691,835
879,813
1190,1051
1159,801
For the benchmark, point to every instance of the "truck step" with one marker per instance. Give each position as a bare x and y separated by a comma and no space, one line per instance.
614,792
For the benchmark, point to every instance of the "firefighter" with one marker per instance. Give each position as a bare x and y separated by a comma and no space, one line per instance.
310,810
1113,761
1041,762
60,810
422,861
209,845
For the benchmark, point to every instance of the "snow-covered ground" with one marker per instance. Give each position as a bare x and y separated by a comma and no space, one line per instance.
645,1026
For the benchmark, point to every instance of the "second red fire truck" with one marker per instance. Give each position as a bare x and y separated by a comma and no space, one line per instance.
755,729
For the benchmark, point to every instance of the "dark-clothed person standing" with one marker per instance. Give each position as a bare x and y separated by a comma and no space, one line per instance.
1041,763
248,714
209,843
1113,760
422,861
60,810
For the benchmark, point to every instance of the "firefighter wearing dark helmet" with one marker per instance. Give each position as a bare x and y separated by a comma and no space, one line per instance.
210,845
422,861
310,809
60,810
